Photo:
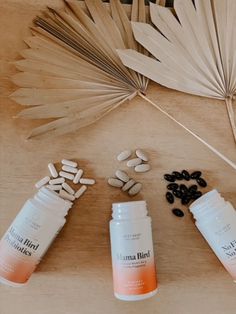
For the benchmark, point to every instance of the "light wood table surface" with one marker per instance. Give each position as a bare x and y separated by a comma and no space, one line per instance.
75,276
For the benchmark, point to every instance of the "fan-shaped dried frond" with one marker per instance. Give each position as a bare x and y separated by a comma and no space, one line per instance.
71,70
194,52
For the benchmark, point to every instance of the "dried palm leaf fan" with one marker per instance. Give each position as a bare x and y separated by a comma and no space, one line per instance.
194,52
71,71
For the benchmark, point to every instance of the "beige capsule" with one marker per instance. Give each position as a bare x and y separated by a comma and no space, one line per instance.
141,154
128,185
122,175
135,189
115,182
142,168
134,162
124,155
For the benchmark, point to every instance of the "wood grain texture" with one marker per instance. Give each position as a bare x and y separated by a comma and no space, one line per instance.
75,276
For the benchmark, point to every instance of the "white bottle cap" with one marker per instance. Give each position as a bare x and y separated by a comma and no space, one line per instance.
129,210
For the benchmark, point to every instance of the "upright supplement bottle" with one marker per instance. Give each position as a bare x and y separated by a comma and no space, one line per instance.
134,272
216,220
30,235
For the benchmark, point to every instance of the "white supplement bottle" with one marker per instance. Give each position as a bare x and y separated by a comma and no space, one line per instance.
216,220
134,271
30,235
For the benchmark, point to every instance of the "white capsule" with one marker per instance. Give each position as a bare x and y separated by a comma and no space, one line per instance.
134,162
141,154
80,191
53,170
42,182
66,195
87,181
124,155
135,189
128,185
66,175
56,187
78,176
122,175
69,169
69,163
115,182
142,168
57,181
68,188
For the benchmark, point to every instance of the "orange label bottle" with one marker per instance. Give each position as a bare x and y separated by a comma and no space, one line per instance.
134,271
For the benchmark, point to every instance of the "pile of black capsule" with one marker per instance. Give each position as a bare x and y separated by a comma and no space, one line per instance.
185,193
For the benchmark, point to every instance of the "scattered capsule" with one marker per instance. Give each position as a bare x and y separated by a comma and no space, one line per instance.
87,181
78,176
66,175
177,175
66,195
124,155
183,188
122,175
80,191
201,182
56,187
186,175
170,197
69,163
169,177
68,188
177,212
134,162
172,186
142,168
42,182
115,182
69,169
57,181
53,170
196,195
135,189
192,189
196,175
186,199
178,193
128,185
141,154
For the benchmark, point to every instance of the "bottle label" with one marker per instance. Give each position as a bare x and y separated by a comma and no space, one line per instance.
25,242
134,271
221,236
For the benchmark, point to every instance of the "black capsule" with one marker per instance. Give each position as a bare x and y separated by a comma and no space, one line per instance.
183,188
196,175
186,175
172,186
201,182
186,199
169,177
192,189
178,193
196,195
177,212
170,197
177,175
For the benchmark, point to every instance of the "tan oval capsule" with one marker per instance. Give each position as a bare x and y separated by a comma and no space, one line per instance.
124,155
141,154
135,189
134,162
128,185
115,182
142,168
122,175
